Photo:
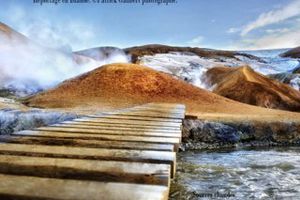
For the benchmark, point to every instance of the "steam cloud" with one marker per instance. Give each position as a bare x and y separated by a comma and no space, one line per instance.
27,67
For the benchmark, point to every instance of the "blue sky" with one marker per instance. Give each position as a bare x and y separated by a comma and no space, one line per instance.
223,24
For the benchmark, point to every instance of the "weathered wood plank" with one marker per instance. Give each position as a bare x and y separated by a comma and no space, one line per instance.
154,112
132,116
17,187
103,127
158,107
107,124
143,113
98,137
106,171
162,140
86,143
167,105
166,116
123,121
158,157
161,107
140,120
87,129
92,153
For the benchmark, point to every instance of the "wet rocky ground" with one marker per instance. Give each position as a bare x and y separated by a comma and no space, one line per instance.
12,120
202,134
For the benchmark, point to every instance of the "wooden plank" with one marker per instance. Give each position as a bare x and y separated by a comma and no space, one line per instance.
127,115
130,119
87,129
177,108
137,113
162,140
170,105
160,109
123,121
20,187
158,157
155,112
166,116
165,108
103,127
106,171
107,124
149,109
86,143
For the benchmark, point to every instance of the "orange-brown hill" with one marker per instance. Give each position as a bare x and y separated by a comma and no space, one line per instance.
245,85
9,33
125,85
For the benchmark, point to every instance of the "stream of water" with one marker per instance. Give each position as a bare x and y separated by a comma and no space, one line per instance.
241,174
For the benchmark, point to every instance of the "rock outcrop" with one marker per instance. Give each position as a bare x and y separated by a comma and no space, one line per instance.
292,53
296,70
292,79
202,134
13,120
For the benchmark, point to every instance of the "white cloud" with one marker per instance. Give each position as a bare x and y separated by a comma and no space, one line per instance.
275,39
278,30
36,25
274,16
233,30
196,41
271,38
287,40
74,34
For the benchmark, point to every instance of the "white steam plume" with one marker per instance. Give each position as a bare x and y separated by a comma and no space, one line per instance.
28,67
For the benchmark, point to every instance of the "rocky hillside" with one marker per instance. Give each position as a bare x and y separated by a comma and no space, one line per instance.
292,53
296,70
101,53
140,51
245,85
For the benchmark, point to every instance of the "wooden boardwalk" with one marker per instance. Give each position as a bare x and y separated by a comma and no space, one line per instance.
128,154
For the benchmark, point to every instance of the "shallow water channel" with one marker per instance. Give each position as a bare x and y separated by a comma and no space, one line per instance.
261,173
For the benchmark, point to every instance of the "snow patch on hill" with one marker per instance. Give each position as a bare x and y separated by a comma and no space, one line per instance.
192,68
